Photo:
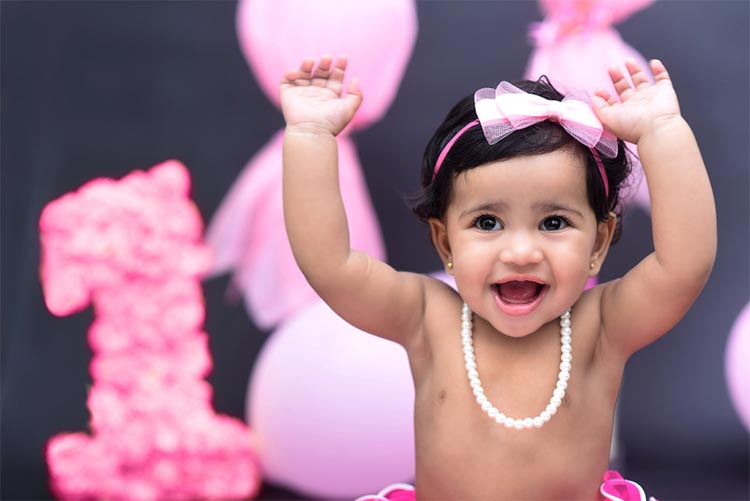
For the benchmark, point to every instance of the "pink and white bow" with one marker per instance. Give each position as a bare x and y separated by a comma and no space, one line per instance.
507,109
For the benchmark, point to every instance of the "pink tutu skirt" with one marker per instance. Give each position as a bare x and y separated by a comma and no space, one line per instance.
613,488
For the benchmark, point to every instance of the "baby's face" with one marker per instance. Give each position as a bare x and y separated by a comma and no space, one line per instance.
522,236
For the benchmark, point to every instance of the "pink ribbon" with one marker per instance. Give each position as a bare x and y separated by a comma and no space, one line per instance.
508,109
616,488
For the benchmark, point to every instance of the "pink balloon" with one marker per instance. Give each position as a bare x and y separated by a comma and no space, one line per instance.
736,366
247,234
332,407
575,45
605,11
377,36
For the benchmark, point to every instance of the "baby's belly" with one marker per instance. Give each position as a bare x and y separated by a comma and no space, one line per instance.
450,482
493,463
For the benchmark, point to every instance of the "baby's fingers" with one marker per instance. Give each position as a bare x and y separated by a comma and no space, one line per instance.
335,80
299,76
339,69
322,71
637,75
621,83
605,98
660,71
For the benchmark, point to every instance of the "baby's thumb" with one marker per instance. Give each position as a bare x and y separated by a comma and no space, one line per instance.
598,102
354,94
602,109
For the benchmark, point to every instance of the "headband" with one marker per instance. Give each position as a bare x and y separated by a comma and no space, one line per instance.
507,109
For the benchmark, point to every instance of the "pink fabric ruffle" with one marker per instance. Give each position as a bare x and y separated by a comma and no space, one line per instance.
613,488
394,492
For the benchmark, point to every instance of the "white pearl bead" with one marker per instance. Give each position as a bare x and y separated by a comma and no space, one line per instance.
563,375
509,422
475,383
566,348
471,365
566,339
528,423
559,393
486,405
565,366
545,415
478,390
565,331
481,398
562,385
493,412
466,325
538,422
466,341
500,418
469,357
556,401
518,423
566,357
565,322
551,409
473,374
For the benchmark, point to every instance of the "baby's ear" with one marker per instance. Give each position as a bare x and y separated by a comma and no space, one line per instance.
440,240
605,230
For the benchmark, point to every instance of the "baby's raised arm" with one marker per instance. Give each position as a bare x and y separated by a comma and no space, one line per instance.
364,291
652,297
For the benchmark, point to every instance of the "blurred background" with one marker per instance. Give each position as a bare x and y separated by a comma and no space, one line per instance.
98,88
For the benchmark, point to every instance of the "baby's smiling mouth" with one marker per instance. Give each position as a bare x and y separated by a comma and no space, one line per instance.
516,292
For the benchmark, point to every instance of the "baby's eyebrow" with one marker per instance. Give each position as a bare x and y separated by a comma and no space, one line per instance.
489,206
555,207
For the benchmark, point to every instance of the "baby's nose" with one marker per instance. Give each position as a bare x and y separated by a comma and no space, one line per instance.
521,249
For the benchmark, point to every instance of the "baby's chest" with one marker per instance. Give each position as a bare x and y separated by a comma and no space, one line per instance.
458,444
454,417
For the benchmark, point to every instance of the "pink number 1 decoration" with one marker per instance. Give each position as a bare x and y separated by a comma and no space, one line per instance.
133,249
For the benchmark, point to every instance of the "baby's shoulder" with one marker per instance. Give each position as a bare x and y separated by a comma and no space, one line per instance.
442,301
442,309
588,308
588,330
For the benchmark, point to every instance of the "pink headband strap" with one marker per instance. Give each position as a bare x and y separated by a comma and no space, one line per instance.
448,146
507,108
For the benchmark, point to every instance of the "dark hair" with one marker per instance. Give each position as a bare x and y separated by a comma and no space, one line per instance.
471,150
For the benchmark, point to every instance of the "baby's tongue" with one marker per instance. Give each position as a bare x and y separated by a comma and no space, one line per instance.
518,292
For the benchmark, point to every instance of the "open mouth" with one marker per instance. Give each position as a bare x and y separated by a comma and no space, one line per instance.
518,297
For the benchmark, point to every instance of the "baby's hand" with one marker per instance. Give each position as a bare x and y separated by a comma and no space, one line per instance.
641,108
313,99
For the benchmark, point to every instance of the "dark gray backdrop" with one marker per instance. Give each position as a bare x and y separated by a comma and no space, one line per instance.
99,88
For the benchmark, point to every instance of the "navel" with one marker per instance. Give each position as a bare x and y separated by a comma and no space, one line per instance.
442,395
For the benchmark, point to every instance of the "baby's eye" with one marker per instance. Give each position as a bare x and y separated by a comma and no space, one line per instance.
553,223
488,223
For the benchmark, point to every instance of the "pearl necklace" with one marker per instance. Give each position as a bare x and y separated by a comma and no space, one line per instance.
476,385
